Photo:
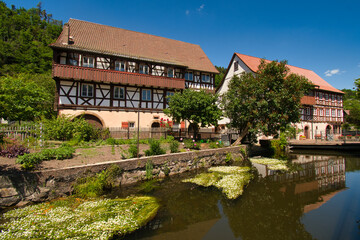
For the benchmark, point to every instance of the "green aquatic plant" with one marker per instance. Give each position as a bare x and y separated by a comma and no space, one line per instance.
273,164
231,179
74,218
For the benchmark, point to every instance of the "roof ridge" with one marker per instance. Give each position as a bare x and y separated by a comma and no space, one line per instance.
134,31
276,60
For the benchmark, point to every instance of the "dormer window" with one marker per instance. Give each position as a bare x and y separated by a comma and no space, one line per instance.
88,62
189,76
205,78
120,66
143,69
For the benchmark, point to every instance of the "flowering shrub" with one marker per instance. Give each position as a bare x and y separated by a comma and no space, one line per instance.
191,144
11,148
74,218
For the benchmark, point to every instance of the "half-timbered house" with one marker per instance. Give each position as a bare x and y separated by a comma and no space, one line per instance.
108,74
322,108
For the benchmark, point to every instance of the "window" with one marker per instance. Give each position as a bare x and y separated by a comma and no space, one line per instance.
236,66
170,72
144,69
321,112
87,90
189,76
326,96
333,98
146,95
339,113
333,113
73,59
131,124
120,66
327,111
168,95
314,111
205,78
119,93
88,62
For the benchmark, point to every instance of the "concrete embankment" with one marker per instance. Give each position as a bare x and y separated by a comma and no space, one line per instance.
20,187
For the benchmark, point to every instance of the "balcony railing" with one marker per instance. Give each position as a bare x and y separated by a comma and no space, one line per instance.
312,118
116,77
308,100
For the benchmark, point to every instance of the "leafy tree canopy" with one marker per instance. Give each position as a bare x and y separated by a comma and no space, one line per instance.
265,101
26,97
352,103
24,39
197,107
220,76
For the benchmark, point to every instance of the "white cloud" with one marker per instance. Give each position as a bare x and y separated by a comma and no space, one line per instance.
329,73
201,7
187,12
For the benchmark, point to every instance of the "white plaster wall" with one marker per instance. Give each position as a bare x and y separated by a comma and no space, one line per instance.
231,72
114,118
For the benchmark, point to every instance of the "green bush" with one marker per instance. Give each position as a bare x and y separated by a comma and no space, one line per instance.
189,143
132,150
216,144
65,128
30,160
174,146
95,186
155,148
149,169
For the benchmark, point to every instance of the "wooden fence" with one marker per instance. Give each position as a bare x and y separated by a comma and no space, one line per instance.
19,133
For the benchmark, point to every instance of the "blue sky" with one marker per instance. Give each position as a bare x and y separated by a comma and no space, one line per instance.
323,36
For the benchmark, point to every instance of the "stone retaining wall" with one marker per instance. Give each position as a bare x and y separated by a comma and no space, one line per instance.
21,187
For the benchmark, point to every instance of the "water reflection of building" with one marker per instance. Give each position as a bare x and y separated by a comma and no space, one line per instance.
318,179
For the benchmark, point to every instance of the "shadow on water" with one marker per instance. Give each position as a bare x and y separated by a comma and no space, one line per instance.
271,207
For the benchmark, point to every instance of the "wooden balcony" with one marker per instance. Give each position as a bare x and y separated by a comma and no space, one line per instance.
117,77
308,100
311,118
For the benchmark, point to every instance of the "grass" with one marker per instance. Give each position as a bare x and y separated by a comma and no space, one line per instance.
230,179
74,218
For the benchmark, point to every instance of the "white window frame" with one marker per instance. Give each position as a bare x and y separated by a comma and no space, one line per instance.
327,112
119,93
87,90
146,95
333,112
205,78
143,69
88,61
187,74
170,72
120,66
321,112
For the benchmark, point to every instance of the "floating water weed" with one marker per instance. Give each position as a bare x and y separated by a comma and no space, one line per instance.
231,179
79,219
273,164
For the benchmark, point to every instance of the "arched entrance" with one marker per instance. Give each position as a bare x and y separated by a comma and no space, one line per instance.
155,130
93,120
328,132
307,132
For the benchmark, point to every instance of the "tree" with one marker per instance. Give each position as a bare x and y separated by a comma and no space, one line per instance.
197,107
24,39
220,76
26,97
352,103
265,101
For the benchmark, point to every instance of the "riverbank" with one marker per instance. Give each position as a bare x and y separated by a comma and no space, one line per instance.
325,145
20,187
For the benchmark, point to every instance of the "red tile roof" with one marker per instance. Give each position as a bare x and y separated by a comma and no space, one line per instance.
104,39
253,63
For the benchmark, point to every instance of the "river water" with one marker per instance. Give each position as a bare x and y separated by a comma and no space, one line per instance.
319,201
